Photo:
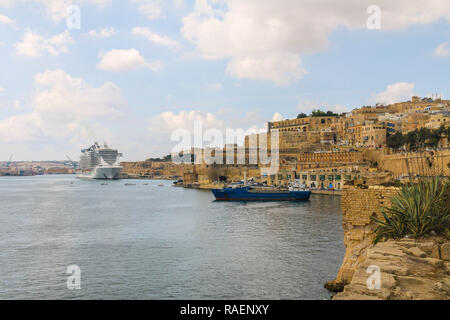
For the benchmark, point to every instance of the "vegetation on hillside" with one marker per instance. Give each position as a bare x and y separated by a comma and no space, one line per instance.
163,159
418,139
318,113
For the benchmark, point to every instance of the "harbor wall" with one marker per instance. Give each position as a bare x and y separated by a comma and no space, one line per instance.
358,205
433,162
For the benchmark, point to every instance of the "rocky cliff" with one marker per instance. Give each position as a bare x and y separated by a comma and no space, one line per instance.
408,269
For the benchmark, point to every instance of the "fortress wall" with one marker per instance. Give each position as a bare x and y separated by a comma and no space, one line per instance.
358,205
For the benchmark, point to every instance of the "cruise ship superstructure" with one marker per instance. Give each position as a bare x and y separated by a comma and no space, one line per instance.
98,162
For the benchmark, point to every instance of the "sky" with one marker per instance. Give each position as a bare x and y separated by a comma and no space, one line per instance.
131,73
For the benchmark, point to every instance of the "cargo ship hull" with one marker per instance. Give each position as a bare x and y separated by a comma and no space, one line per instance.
247,194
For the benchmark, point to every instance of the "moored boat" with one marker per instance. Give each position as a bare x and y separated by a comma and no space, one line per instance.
98,162
250,193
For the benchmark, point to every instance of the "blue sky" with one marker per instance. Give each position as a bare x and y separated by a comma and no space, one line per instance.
229,63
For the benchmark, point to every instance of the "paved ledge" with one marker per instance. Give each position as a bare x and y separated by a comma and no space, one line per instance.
327,192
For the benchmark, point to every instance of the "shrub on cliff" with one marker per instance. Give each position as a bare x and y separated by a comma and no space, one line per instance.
416,210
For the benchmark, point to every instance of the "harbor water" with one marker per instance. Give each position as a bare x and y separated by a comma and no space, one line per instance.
146,241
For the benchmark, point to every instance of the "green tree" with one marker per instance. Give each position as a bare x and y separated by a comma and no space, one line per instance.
320,113
396,141
433,138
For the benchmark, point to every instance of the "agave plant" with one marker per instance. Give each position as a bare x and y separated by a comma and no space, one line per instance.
416,210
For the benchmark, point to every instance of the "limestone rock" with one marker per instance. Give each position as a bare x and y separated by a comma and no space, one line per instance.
446,286
445,251
334,286
405,271
447,267
392,267
443,286
435,262
427,247
415,251
435,252
355,296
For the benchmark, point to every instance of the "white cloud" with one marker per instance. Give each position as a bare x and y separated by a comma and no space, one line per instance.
155,38
33,44
65,108
161,127
397,92
19,128
150,8
103,33
263,40
170,121
56,10
118,60
442,50
339,108
214,86
7,20
280,70
277,117
306,106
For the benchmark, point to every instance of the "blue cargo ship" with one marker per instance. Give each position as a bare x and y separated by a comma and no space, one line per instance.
249,193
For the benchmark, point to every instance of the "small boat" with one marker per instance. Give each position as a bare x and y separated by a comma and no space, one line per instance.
130,184
178,183
145,184
252,193
160,185
104,184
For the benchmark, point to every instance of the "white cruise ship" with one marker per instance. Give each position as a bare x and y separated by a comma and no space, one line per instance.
98,162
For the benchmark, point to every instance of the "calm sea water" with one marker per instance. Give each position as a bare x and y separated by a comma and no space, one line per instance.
153,242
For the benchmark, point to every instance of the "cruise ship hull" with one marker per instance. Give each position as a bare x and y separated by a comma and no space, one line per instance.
247,194
103,172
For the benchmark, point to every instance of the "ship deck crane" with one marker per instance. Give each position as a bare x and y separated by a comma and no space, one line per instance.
9,161
72,162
